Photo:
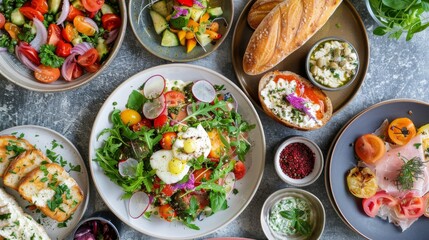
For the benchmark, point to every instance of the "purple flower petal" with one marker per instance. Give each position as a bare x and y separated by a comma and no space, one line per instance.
198,3
190,184
180,12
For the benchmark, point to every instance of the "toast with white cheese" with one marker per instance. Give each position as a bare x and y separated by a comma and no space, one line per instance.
14,223
52,190
22,165
294,101
11,147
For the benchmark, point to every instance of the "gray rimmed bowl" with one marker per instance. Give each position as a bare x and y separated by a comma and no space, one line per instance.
143,29
310,74
14,71
318,211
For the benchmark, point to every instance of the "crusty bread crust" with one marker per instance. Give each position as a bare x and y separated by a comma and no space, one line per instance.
286,28
259,10
326,101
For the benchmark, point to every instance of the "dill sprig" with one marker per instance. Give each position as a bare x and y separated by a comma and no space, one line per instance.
409,173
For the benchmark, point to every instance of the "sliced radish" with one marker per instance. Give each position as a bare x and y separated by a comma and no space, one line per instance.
203,91
154,87
229,183
152,109
128,167
138,204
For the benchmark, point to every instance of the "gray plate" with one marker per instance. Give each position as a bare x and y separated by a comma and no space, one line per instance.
144,31
342,159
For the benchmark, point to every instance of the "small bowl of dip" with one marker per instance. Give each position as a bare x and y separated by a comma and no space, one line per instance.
332,64
298,161
293,213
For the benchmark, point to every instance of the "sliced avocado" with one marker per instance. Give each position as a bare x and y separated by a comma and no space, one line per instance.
17,17
102,49
161,8
196,13
159,22
106,8
181,21
215,12
203,39
169,39
54,5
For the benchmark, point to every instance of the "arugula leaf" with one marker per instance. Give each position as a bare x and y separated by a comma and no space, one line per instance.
48,57
217,201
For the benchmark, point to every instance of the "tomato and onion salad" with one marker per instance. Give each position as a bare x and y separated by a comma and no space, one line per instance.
129,144
70,37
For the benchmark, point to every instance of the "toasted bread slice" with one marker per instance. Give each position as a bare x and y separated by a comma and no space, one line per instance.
52,190
14,223
302,111
22,165
11,147
259,10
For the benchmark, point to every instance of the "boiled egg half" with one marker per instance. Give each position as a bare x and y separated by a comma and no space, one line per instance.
192,143
168,168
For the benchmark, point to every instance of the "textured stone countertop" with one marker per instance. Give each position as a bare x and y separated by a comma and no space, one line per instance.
397,69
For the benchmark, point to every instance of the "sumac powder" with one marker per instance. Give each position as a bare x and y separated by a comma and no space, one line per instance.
297,160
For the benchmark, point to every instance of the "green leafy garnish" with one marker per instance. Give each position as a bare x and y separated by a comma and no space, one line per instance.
48,57
409,173
400,16
298,223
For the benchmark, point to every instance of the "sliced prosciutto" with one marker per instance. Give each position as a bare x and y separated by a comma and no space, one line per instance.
388,168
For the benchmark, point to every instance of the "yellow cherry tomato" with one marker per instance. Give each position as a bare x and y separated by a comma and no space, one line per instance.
130,117
82,26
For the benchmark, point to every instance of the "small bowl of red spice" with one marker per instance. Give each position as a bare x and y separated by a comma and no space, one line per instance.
298,161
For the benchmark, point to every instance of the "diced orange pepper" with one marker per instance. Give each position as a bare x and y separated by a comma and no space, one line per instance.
181,35
189,35
190,44
204,18
214,26
193,25
168,18
174,30
12,29
213,35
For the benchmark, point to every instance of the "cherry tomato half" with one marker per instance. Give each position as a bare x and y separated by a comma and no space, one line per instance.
73,13
83,27
40,5
110,21
63,49
54,34
239,170
369,148
130,117
29,52
92,5
47,74
167,140
143,123
174,98
31,13
88,58
372,205
2,20
167,212
410,206
401,130
160,121
69,32
12,30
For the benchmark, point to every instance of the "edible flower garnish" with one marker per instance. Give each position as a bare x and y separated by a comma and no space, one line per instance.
189,185
198,3
299,103
180,12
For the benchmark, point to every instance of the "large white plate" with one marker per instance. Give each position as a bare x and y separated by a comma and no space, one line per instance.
42,138
156,227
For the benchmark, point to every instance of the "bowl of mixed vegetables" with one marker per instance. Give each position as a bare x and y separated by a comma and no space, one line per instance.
181,30
177,151
58,45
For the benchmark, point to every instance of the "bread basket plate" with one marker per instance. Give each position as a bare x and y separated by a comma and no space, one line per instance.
342,158
344,23
156,227
45,139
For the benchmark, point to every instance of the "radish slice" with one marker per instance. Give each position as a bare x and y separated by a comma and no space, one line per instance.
128,167
154,87
204,91
138,204
152,109
229,183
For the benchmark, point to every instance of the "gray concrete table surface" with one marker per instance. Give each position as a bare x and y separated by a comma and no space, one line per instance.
397,69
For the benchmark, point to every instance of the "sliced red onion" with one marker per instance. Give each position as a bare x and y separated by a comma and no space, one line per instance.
66,65
41,35
64,12
92,23
112,35
198,3
179,12
81,48
299,103
22,58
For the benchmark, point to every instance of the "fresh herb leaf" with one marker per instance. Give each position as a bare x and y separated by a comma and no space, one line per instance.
410,171
298,220
135,100
48,57
217,201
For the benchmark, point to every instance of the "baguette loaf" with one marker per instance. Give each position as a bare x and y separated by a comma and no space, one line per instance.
259,10
52,190
286,28
294,101
11,147
22,165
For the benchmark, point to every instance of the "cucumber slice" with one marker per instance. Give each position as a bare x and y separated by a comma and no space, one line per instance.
161,8
215,12
159,22
169,39
102,49
17,17
203,39
106,8
54,5
196,13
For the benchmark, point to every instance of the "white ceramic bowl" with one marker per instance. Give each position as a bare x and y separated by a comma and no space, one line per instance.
318,163
315,203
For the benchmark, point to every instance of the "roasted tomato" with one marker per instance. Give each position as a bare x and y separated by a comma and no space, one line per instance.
362,182
372,205
369,148
167,140
401,130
